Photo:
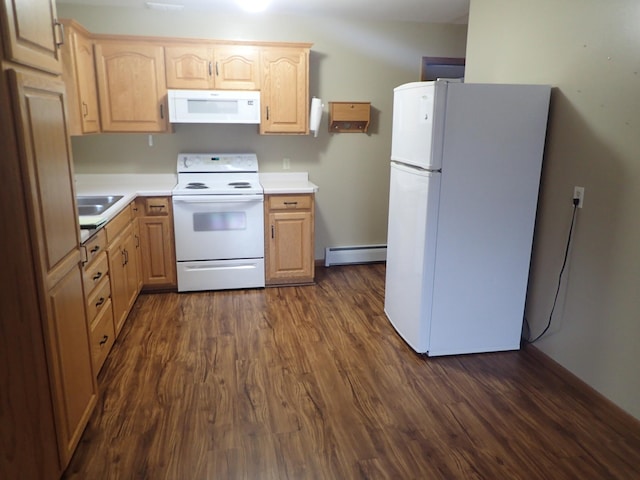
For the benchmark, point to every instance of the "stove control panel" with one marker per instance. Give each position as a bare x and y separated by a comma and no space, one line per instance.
217,162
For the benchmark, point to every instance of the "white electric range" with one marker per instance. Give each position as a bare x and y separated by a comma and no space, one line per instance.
219,222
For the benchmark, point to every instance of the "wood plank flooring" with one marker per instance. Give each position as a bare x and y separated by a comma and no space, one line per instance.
313,383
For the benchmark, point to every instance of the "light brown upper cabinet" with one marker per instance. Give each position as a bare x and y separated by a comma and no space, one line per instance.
131,86
285,90
31,34
222,67
80,79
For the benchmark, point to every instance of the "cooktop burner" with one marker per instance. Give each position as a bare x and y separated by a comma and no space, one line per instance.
196,186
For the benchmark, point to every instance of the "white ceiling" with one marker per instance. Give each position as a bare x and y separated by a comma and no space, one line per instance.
433,11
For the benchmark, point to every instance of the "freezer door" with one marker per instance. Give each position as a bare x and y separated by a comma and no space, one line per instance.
413,220
418,120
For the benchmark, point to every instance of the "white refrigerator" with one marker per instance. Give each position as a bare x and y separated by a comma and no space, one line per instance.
465,173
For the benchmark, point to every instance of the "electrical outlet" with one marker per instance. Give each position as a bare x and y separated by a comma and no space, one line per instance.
286,164
578,193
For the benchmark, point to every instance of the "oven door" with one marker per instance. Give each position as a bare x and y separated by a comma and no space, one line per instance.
218,227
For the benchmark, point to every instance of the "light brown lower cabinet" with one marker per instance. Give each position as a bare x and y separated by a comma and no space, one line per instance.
97,292
289,239
44,161
123,255
75,388
155,222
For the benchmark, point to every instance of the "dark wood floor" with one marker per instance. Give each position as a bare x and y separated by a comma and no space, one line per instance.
313,383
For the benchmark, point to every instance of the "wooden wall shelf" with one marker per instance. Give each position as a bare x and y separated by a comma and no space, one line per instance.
349,117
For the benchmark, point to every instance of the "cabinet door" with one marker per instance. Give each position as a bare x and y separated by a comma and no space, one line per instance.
189,67
236,67
28,432
290,255
31,34
75,388
158,258
80,80
131,86
48,173
123,274
118,279
133,264
285,90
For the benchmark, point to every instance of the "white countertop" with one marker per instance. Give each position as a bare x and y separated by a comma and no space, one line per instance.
148,185
131,185
128,185
289,182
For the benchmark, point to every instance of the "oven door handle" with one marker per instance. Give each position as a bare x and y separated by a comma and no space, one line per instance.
219,199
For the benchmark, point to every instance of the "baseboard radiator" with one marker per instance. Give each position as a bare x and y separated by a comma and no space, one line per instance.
354,254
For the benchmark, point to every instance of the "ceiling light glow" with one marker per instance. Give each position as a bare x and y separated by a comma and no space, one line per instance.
254,5
164,6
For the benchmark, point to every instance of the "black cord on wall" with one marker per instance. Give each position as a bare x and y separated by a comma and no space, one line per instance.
564,264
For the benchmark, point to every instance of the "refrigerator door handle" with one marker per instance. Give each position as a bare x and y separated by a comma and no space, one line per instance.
413,168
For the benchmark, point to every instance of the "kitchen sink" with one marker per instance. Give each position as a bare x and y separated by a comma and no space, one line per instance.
95,204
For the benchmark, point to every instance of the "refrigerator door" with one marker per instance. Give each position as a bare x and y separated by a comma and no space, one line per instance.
418,124
494,143
413,212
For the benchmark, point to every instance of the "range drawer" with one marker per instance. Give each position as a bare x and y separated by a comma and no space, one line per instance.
98,299
95,272
102,336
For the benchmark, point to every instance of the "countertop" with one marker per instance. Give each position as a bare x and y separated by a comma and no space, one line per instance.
289,182
150,185
128,185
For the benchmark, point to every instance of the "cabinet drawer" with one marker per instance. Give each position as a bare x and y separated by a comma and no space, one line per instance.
118,224
153,206
102,336
95,272
98,299
289,202
94,246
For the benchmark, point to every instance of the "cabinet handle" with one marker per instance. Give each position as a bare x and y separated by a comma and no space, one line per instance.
104,340
291,204
217,74
124,257
267,112
94,249
210,69
97,276
85,256
100,302
156,206
60,27
85,109
273,231
137,241
162,111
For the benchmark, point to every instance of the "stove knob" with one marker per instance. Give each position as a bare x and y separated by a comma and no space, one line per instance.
186,162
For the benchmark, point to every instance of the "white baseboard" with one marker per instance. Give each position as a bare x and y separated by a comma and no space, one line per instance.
354,254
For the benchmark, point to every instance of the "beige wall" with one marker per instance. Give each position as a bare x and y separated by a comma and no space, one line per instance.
350,61
589,51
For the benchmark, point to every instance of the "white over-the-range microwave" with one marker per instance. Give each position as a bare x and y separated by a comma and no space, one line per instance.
214,106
